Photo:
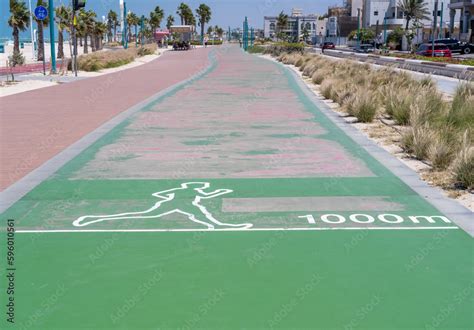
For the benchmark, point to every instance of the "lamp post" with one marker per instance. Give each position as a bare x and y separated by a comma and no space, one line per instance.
441,31
51,36
142,28
124,32
435,24
358,27
33,44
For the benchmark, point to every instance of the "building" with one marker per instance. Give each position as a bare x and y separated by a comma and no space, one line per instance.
376,11
343,19
297,24
462,11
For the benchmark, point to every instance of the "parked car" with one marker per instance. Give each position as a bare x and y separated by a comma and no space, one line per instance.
365,48
456,46
328,45
440,50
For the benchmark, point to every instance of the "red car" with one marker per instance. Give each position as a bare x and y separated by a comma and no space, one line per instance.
440,50
328,45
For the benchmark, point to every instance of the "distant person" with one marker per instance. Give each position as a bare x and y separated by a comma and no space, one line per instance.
240,43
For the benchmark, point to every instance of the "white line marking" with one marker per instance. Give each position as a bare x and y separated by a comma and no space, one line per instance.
167,196
224,229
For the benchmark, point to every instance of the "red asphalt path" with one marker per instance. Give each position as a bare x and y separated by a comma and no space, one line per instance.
37,125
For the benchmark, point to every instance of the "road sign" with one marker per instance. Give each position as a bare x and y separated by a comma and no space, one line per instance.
41,13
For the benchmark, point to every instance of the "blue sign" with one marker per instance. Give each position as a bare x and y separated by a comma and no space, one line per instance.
41,13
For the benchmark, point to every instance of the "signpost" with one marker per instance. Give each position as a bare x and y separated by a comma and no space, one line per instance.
41,13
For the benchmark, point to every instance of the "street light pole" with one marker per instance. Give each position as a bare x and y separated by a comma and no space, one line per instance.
124,32
441,34
51,36
33,48
358,27
435,24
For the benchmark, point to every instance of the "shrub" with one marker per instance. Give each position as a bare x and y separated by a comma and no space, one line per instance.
256,49
285,47
464,163
441,152
422,138
327,88
147,50
318,76
397,103
461,112
365,106
111,59
16,59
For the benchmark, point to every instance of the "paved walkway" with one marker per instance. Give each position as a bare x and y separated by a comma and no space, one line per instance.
235,202
38,124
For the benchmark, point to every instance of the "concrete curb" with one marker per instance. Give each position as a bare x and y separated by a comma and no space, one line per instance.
460,215
16,191
443,69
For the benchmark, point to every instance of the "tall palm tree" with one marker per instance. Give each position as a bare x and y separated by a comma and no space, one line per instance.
413,10
63,20
132,20
190,19
41,25
169,22
183,12
220,32
86,26
204,16
112,22
100,29
19,20
156,16
282,22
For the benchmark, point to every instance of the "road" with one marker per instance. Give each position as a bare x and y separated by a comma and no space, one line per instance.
234,201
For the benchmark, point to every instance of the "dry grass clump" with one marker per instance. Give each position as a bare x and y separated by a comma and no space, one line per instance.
437,131
461,112
111,59
463,166
365,106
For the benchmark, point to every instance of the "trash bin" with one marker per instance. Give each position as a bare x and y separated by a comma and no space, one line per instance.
2,49
22,45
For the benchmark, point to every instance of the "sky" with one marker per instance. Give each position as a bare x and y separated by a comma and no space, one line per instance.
224,12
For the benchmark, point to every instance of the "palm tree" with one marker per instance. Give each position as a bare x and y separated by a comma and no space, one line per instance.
41,25
86,26
183,12
413,10
112,22
220,32
204,15
156,16
63,20
132,20
99,30
169,22
19,21
282,22
191,20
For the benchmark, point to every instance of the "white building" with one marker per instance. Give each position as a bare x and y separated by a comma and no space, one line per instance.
377,10
297,23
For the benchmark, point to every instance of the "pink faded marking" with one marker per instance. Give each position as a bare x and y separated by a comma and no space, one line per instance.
226,125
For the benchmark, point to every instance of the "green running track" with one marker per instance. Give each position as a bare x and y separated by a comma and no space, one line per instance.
234,202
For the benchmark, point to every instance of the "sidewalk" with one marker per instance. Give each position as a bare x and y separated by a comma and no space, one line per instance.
38,124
